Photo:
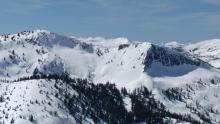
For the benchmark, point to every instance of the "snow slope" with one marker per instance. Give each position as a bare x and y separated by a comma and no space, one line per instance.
208,51
32,98
186,70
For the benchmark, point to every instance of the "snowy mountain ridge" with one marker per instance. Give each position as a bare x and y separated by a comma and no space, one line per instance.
206,50
183,80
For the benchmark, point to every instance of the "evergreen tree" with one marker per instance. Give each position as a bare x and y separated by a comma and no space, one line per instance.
12,121
31,118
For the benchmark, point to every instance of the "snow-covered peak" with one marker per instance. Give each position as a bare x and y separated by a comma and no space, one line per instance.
41,31
207,46
40,37
208,50
23,35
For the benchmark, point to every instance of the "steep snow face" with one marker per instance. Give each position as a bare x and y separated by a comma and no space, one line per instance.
124,66
168,57
160,62
208,51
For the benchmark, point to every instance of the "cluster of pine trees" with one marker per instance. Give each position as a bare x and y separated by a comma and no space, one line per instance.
104,102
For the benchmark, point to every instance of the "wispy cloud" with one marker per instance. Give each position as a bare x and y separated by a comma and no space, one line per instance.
212,2
156,6
151,6
28,6
206,20
23,6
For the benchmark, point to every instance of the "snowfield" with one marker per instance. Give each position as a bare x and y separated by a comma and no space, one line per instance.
190,72
32,98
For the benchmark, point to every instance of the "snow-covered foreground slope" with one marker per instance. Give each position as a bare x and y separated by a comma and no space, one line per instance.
181,77
32,101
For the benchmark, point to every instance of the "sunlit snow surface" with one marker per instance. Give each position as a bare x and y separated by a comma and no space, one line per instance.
100,60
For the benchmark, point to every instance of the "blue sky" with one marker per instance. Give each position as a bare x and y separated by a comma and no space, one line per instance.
142,20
